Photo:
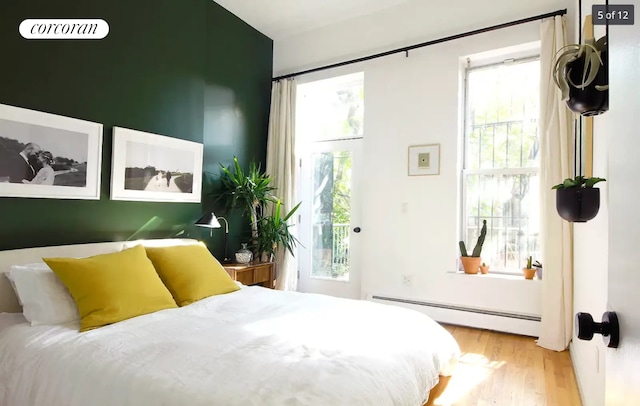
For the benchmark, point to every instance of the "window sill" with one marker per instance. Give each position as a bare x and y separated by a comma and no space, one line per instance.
498,276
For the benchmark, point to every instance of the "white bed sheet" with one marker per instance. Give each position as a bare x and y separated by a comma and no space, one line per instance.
251,347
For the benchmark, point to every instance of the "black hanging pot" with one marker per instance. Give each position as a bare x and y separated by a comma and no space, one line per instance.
578,204
592,99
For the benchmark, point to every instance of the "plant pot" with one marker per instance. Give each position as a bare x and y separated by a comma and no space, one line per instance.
484,269
265,257
589,101
538,271
578,205
529,273
471,265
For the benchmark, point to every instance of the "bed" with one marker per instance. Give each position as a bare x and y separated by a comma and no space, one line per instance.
255,346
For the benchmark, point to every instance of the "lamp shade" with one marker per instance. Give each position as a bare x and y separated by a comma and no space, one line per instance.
209,220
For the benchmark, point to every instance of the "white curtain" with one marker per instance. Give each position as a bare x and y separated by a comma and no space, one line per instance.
281,167
555,165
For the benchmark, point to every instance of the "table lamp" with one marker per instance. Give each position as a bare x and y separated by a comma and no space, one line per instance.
210,221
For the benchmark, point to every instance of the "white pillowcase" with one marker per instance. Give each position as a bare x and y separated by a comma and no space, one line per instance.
166,242
44,298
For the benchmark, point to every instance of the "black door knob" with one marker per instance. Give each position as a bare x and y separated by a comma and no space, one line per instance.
609,328
357,230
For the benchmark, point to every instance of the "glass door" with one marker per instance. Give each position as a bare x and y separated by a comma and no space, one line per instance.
330,219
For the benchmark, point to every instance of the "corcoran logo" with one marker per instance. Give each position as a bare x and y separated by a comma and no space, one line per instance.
64,28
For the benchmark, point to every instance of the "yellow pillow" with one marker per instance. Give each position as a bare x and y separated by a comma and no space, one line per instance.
112,287
190,272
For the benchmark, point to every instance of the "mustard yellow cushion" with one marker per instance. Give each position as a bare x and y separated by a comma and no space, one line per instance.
190,272
112,287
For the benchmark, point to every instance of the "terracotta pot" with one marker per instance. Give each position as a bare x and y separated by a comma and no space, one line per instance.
484,269
528,273
471,264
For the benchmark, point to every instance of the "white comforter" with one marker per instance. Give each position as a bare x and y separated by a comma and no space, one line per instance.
251,347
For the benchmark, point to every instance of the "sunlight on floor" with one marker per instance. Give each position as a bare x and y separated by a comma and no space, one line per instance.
471,370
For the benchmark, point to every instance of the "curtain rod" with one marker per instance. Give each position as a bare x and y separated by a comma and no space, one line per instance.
425,44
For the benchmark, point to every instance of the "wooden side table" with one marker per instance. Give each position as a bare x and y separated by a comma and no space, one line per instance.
261,273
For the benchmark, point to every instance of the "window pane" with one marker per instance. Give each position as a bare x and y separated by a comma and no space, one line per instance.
331,109
331,214
510,204
503,107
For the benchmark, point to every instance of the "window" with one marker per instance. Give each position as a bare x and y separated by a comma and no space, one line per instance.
331,109
501,165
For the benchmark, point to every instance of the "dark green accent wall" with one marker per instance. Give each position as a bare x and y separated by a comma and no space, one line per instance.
183,68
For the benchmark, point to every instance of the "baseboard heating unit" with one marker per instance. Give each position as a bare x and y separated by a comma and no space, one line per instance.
516,323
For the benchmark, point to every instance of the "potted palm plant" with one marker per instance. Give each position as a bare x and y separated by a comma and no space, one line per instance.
577,200
252,191
274,232
471,263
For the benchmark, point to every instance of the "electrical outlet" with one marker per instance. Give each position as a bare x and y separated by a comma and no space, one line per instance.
407,281
405,208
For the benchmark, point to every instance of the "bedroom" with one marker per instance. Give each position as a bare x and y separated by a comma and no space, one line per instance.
199,73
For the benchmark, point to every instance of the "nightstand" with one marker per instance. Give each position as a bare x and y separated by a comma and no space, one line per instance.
261,274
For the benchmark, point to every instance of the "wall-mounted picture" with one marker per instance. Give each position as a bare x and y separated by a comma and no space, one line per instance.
155,168
424,160
44,155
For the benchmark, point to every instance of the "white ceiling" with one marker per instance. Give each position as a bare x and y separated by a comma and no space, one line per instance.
279,19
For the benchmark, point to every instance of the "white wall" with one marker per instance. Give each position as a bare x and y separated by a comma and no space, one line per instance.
590,279
412,101
416,100
590,253
412,22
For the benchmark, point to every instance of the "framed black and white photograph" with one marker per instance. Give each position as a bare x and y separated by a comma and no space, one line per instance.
157,168
424,160
44,155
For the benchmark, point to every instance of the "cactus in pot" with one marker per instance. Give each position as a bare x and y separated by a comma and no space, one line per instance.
528,271
471,263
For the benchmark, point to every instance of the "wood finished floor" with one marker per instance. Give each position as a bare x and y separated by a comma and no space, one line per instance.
508,370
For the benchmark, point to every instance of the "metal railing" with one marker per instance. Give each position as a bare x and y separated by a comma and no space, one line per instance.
340,245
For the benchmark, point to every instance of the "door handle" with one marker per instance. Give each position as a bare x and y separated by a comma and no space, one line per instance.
609,328
357,230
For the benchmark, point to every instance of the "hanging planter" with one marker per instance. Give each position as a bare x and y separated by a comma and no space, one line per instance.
581,73
577,201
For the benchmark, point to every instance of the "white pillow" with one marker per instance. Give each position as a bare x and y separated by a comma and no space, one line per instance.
166,242
44,298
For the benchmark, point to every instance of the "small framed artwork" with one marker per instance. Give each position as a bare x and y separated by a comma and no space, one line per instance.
48,156
155,168
424,160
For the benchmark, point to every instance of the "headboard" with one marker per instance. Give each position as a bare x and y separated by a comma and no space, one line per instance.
9,302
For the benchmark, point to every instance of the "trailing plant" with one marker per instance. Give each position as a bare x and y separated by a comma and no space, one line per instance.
273,232
477,250
579,182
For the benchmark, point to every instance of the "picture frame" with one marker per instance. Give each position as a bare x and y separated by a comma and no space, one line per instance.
155,168
48,156
424,160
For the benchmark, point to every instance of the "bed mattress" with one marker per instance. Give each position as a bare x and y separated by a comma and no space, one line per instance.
255,346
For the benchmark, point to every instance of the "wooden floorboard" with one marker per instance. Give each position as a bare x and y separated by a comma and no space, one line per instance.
505,369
